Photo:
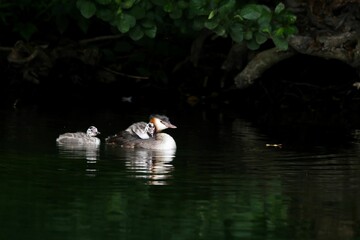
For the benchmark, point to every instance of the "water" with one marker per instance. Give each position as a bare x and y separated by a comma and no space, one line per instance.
223,182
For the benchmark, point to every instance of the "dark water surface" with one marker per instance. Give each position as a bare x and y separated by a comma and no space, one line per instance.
223,182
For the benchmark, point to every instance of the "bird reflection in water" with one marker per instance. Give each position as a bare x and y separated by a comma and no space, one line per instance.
90,152
153,165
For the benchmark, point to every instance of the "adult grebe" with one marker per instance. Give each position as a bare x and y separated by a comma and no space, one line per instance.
150,137
80,137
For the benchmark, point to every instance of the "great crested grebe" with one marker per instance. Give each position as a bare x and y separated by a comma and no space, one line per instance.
80,137
146,135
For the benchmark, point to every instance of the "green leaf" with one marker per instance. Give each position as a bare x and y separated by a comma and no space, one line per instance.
182,4
238,17
197,8
248,35
260,38
105,14
228,7
87,8
147,23
159,2
280,43
197,4
279,8
265,18
250,12
136,33
176,13
279,32
119,11
211,25
127,4
220,31
150,32
103,2
212,14
126,22
138,12
252,45
168,7
237,33
290,30
291,19
265,27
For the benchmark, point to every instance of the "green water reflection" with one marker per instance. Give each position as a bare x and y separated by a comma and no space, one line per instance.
68,203
228,186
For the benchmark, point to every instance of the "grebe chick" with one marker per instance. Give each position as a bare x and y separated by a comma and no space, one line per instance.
151,138
80,137
141,129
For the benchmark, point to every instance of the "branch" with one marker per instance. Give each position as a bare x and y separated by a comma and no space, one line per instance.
259,64
236,57
343,47
14,57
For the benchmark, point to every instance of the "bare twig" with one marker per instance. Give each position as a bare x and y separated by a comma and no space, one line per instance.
100,38
5,49
125,75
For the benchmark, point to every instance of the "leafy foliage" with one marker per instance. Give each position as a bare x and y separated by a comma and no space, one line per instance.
243,22
252,23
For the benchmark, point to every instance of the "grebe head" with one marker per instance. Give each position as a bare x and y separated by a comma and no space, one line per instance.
150,129
92,131
161,122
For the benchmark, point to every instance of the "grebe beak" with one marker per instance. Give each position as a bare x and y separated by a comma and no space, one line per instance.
169,125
